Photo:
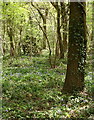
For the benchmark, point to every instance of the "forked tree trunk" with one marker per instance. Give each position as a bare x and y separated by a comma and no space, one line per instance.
74,80
59,38
44,18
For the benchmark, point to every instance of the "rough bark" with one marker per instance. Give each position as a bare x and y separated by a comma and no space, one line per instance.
74,80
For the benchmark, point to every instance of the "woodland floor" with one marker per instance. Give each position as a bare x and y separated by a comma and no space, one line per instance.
31,90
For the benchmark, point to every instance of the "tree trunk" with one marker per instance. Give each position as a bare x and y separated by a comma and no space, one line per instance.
64,23
44,27
74,80
44,38
57,49
92,41
59,33
11,47
3,41
59,38
10,34
19,44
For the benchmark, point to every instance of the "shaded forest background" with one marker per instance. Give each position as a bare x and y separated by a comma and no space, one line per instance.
37,69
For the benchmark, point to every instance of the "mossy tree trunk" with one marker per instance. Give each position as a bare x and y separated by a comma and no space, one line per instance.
74,80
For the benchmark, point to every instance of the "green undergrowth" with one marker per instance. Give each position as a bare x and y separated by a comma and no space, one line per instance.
31,89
